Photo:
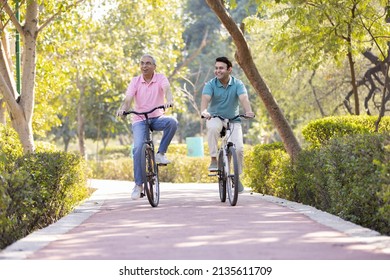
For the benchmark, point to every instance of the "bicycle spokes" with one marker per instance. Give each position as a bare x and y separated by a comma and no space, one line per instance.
151,182
232,177
221,177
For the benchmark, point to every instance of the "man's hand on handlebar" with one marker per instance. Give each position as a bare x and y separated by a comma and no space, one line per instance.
206,115
249,115
120,113
168,105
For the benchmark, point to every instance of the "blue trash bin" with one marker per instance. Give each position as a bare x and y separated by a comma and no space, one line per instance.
195,146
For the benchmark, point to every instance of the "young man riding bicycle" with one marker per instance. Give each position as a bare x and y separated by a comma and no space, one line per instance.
221,96
149,90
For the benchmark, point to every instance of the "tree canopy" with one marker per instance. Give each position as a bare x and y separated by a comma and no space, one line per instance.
317,58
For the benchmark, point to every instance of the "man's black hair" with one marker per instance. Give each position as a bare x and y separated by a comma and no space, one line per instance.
224,60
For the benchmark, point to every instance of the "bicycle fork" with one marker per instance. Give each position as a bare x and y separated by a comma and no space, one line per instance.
226,161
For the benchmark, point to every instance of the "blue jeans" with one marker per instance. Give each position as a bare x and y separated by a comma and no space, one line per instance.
167,124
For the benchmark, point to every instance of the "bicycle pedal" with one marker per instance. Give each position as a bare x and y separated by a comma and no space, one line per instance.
162,164
213,174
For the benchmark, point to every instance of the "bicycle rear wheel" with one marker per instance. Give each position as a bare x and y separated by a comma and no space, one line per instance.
232,176
150,175
221,177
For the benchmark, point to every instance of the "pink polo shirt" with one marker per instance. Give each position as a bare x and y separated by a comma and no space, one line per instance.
147,95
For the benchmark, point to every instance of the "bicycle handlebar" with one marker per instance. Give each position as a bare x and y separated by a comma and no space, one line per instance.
235,117
144,113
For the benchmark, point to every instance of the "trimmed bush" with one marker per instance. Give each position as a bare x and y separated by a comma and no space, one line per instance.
310,173
10,148
356,179
112,169
183,169
320,131
41,189
348,177
115,152
265,167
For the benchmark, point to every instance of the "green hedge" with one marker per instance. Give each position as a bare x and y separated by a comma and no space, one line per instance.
10,148
43,188
319,132
264,170
348,177
36,189
182,169
355,181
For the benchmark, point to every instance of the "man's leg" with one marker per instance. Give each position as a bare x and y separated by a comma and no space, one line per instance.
168,125
139,130
214,127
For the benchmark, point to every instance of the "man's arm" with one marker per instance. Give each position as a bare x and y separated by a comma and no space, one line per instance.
125,105
168,96
244,100
203,106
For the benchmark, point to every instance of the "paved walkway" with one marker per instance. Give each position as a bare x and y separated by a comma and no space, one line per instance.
192,224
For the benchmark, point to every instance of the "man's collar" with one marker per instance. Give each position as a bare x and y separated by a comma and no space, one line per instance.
152,80
219,84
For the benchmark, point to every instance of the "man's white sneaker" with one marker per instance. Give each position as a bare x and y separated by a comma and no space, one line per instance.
162,159
136,192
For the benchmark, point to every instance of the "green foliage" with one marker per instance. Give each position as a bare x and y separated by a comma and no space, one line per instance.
309,172
10,148
95,57
114,152
112,169
42,188
348,177
315,31
17,212
41,146
319,132
354,179
264,169
384,169
183,169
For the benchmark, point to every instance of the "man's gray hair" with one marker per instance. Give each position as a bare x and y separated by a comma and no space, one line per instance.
150,56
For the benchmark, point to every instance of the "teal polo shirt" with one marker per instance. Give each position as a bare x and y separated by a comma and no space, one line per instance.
224,101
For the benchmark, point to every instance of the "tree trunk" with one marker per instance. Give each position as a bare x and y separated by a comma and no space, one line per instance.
353,83
313,90
385,95
25,132
80,125
21,106
2,112
245,60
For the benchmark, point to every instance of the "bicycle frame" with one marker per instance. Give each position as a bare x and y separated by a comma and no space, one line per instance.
228,174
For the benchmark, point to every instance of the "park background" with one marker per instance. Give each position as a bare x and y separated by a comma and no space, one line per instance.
316,73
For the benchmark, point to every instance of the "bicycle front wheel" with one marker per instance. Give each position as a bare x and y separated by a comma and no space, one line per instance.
221,177
232,176
150,175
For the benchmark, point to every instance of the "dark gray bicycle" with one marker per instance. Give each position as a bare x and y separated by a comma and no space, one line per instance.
228,171
148,163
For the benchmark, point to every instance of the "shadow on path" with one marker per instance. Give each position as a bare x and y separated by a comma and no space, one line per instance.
191,223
